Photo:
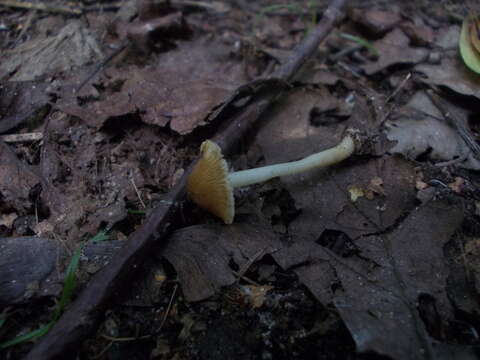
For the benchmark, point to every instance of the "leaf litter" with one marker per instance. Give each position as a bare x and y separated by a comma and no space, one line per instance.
418,129
356,236
179,92
37,58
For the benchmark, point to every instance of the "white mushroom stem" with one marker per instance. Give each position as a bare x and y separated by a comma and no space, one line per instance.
322,159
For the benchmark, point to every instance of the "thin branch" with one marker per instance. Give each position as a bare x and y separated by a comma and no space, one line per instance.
41,6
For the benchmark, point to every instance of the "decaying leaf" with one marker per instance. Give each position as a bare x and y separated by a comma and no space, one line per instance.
377,291
416,132
394,49
16,181
404,266
201,255
453,74
179,90
21,102
38,57
376,22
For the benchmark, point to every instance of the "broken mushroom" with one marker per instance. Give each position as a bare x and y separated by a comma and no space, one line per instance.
210,185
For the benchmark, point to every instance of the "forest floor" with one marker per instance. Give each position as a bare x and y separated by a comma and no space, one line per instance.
104,105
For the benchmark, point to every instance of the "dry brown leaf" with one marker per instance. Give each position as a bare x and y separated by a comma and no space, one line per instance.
415,132
179,90
394,49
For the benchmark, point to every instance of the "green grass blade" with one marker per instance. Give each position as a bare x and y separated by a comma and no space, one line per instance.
69,284
136,212
68,288
101,236
27,337
360,41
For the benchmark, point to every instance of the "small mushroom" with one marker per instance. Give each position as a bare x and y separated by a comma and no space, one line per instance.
210,185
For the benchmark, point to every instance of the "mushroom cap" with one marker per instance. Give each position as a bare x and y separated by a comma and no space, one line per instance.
208,185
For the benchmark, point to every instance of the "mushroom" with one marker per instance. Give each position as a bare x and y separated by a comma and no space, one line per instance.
210,185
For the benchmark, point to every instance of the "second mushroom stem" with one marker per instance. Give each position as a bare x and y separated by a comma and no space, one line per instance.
322,159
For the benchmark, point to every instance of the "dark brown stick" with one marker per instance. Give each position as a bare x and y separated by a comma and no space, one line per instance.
84,314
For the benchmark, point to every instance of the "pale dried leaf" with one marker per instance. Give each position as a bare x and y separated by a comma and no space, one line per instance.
73,46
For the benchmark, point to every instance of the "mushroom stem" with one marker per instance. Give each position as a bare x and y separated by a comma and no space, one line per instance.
322,159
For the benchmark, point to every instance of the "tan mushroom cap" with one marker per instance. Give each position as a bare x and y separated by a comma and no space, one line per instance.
208,184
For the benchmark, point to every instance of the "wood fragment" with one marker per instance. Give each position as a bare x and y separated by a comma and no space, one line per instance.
27,137
85,313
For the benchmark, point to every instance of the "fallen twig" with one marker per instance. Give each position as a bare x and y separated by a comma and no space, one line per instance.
79,9
27,137
41,6
83,315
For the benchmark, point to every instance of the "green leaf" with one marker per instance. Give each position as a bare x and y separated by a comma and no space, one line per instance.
470,56
69,283
136,212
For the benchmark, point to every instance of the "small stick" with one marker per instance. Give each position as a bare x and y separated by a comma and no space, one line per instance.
391,96
41,6
399,87
137,192
169,307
